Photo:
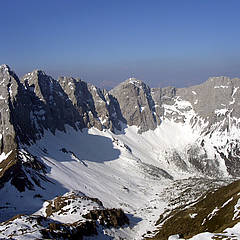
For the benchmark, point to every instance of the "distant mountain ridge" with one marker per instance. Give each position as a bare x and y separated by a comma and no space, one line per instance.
38,102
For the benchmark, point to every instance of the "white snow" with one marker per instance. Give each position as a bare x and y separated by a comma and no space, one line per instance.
74,209
134,81
237,210
20,229
233,99
219,112
193,215
114,167
2,82
226,203
174,237
10,89
4,156
103,167
229,233
213,213
221,86
235,90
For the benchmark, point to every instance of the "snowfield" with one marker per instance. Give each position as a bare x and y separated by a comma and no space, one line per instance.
101,165
130,171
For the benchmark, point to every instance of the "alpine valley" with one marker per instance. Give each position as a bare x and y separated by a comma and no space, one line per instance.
135,162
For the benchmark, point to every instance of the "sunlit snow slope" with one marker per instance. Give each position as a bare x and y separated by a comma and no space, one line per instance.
124,170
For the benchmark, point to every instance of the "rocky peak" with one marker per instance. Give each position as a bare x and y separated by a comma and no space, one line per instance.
135,81
41,84
93,104
215,100
39,102
9,88
9,80
136,104
5,69
219,79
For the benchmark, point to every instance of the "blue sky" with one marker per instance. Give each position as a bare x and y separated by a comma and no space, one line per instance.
164,42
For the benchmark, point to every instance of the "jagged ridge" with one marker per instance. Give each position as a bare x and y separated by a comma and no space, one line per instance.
37,103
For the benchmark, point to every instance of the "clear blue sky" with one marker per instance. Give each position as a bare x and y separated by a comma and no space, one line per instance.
164,42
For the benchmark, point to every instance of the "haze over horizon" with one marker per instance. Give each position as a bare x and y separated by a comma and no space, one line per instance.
179,43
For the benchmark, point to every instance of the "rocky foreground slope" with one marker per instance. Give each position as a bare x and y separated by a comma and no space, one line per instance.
118,146
88,218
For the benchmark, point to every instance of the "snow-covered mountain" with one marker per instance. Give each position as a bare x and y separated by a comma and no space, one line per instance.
133,148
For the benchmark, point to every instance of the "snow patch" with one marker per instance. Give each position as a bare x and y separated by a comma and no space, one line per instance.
220,112
193,215
236,210
175,237
226,203
229,233
222,86
4,156
213,213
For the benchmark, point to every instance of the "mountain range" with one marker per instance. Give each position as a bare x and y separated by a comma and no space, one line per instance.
73,154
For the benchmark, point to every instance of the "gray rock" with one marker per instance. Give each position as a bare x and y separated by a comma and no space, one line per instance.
38,103
136,104
9,87
214,100
94,106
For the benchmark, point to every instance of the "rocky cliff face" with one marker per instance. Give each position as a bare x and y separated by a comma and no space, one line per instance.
37,103
94,106
136,104
10,85
210,110
215,100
